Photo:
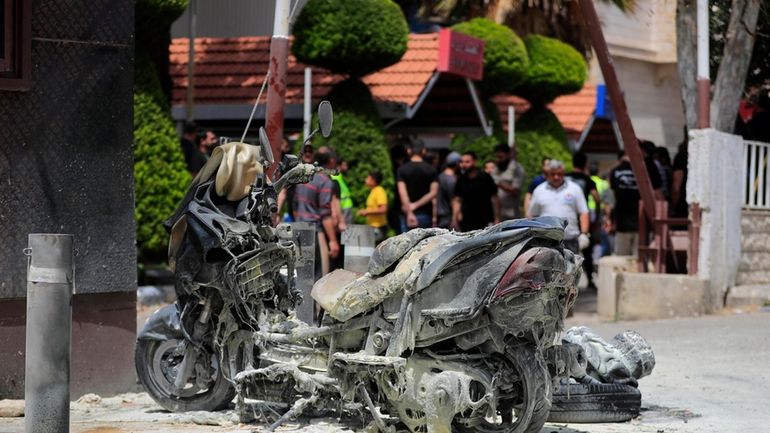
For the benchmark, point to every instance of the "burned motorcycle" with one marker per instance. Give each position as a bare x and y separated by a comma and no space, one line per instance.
445,332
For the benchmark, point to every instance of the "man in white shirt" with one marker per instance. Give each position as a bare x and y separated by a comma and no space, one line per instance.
561,198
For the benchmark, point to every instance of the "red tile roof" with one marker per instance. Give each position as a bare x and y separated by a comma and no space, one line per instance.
231,70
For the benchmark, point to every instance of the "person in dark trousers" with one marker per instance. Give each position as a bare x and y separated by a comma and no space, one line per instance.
476,203
446,189
625,214
417,188
581,177
193,157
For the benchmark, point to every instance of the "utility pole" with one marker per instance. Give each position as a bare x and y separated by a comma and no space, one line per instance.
191,23
276,92
703,77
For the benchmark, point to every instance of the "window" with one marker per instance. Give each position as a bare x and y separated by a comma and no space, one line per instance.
15,44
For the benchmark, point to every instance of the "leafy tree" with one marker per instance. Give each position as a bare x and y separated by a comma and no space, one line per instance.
160,174
505,56
359,138
555,69
539,134
353,37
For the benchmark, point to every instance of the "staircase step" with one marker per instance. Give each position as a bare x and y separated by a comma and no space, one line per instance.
749,295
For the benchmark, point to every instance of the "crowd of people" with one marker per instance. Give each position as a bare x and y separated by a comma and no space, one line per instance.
601,209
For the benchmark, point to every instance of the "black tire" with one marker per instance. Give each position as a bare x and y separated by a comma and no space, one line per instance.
606,402
537,394
217,396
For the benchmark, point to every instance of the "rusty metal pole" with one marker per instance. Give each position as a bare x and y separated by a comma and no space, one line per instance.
50,271
276,92
704,80
191,23
619,106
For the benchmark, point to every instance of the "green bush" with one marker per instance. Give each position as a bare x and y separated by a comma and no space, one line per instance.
505,56
483,146
354,37
359,138
539,134
153,18
160,173
555,69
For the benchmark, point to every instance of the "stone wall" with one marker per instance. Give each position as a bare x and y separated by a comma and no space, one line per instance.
754,267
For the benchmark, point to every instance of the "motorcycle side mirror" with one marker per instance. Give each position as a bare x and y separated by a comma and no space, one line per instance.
325,118
264,143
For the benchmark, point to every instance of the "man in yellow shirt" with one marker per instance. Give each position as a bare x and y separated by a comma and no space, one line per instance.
376,206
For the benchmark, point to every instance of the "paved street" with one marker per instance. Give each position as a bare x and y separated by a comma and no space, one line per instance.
711,376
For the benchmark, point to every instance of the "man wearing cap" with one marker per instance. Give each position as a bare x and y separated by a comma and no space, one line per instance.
417,188
508,175
446,190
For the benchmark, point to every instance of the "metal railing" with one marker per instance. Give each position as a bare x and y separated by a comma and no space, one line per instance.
756,188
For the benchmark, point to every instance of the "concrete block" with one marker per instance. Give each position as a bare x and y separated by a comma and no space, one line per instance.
749,295
755,241
659,296
607,285
11,408
754,261
758,276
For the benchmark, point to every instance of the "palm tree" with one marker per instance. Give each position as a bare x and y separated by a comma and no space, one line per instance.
555,18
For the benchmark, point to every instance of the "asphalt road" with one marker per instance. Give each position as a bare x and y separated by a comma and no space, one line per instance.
711,376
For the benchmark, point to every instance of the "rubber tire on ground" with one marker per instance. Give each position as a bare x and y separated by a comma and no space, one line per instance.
217,397
606,402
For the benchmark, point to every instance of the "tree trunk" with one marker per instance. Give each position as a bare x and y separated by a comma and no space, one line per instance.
686,59
731,77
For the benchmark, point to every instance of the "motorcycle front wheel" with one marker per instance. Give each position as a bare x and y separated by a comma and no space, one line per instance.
528,413
157,364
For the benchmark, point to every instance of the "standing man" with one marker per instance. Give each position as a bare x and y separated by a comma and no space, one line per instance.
189,144
446,189
417,188
580,176
313,204
508,175
476,203
561,198
625,215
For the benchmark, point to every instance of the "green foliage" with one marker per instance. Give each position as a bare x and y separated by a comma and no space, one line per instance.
482,146
154,18
359,138
538,135
353,37
555,69
160,174
505,56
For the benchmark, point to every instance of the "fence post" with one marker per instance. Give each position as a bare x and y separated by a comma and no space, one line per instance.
359,247
304,240
50,279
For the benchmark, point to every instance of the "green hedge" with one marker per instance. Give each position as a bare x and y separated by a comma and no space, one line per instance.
555,69
482,146
153,18
539,134
505,56
160,173
359,138
353,37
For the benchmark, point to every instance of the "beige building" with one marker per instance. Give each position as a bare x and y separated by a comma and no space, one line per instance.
643,48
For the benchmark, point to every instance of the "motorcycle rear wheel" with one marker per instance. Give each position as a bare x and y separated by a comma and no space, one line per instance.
155,365
531,413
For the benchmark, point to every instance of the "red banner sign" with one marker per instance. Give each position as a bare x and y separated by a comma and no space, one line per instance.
460,54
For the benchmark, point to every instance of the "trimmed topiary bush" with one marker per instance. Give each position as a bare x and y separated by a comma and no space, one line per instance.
539,134
483,146
160,173
505,56
555,69
358,137
353,37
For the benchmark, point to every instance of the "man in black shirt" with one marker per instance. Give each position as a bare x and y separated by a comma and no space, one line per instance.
193,157
580,176
417,189
625,215
476,203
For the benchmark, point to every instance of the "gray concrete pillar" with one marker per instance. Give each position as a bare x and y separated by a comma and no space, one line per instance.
50,279
305,240
359,247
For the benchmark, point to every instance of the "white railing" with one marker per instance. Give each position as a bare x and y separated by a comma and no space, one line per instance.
756,179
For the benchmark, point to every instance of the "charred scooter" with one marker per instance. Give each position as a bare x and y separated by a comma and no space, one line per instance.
445,332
